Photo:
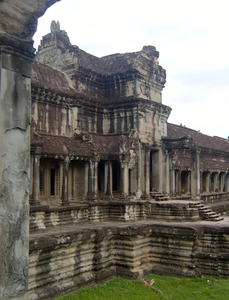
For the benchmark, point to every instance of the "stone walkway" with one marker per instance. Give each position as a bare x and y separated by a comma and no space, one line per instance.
77,228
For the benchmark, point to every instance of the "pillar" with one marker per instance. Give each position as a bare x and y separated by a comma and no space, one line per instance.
93,180
86,178
15,87
160,173
216,182
189,183
167,185
195,174
36,176
172,182
139,190
64,195
207,182
17,25
227,182
124,178
222,182
108,180
178,182
146,179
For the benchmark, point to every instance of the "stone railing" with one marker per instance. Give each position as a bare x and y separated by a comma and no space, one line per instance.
215,197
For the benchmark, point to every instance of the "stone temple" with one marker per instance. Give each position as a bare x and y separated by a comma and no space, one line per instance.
100,131
115,189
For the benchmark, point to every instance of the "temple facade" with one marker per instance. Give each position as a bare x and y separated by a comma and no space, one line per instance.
100,131
91,202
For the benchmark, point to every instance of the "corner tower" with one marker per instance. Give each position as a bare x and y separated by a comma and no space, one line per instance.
136,74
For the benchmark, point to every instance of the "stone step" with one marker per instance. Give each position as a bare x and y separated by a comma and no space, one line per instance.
158,196
207,213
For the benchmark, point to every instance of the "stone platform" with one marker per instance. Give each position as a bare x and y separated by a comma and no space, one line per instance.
42,217
86,251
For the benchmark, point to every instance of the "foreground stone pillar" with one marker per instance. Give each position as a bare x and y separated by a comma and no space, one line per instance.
15,74
18,21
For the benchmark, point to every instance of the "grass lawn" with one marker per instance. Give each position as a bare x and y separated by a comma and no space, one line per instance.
172,288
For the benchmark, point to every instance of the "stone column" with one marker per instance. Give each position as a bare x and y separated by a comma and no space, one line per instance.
216,182
172,182
156,174
36,176
105,177
207,182
93,180
178,182
147,171
90,172
160,174
124,178
108,180
222,182
167,186
227,182
146,179
64,195
15,87
17,25
189,183
61,169
86,178
172,177
195,174
139,189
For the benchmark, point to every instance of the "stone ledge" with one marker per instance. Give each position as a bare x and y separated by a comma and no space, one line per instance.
66,260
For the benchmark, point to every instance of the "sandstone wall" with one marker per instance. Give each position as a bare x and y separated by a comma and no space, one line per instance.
18,21
81,257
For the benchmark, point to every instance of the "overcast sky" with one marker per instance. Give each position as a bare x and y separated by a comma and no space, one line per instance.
191,36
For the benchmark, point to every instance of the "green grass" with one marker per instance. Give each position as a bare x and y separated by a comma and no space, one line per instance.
172,288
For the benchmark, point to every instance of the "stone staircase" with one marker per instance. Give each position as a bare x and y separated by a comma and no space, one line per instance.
157,196
207,213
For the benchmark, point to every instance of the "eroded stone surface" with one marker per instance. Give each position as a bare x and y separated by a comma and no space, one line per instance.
18,21
107,78
82,256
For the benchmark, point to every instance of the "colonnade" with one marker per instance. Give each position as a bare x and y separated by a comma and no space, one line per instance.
154,171
101,177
